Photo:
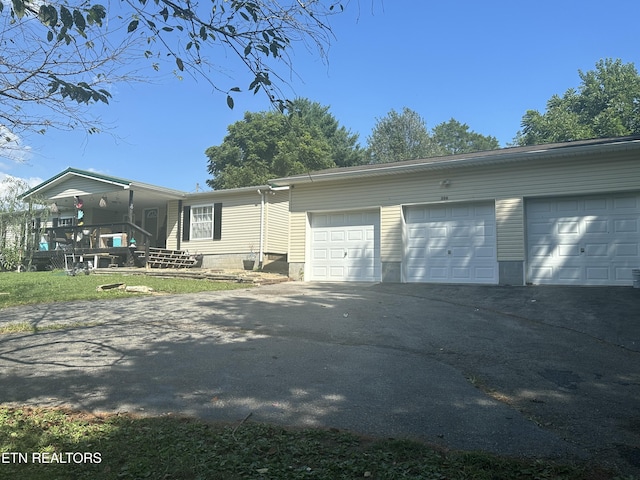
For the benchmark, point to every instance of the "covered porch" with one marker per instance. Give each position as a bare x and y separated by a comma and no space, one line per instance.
98,218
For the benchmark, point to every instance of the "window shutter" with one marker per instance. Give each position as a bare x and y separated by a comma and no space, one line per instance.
186,223
217,221
55,222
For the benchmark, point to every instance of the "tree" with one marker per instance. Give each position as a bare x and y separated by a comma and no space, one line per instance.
606,104
400,136
345,150
62,55
267,145
50,82
17,234
454,137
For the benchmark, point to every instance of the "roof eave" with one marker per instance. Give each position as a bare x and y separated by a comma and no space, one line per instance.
495,157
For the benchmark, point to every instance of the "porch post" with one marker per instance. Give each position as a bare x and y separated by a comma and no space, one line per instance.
130,214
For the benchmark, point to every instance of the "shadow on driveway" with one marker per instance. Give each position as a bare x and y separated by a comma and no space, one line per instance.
545,372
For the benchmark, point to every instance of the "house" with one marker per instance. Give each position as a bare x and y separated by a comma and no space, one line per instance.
115,221
561,214
565,214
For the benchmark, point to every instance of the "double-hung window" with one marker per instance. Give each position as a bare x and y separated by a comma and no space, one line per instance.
202,222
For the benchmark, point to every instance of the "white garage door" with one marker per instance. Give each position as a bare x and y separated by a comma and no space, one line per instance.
583,240
451,244
345,246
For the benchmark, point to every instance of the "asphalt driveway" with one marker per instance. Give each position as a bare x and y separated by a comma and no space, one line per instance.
533,371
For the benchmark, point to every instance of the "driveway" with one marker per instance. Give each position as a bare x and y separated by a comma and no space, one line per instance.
532,371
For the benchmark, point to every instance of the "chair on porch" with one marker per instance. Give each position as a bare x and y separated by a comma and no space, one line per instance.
60,240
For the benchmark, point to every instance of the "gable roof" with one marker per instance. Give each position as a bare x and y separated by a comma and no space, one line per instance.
116,182
489,157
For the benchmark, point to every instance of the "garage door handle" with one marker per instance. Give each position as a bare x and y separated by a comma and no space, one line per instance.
345,254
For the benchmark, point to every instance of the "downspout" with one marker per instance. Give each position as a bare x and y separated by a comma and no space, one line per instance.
179,229
261,254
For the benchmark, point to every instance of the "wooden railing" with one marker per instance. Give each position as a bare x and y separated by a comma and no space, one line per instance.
96,237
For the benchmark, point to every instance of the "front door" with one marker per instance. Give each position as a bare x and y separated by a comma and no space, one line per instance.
151,224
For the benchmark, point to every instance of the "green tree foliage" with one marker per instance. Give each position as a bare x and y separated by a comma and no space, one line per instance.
400,136
404,136
345,150
17,236
606,104
454,137
64,53
267,145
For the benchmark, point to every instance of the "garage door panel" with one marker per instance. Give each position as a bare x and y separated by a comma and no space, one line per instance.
597,250
568,227
583,240
336,235
485,252
626,250
598,273
571,274
593,225
627,225
487,274
450,243
628,204
320,253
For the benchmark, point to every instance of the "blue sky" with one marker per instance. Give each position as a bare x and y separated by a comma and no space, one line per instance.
482,63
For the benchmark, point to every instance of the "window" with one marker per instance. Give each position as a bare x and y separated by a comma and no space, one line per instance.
201,222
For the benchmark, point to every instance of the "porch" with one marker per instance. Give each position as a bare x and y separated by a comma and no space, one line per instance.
103,244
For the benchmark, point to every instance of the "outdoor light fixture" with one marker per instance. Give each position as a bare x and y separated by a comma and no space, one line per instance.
103,202
54,208
445,183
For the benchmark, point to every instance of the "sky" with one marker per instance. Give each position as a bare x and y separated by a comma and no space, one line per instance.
484,63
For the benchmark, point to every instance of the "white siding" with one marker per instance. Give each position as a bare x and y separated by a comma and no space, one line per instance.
510,228
172,225
81,186
240,224
277,223
391,225
297,234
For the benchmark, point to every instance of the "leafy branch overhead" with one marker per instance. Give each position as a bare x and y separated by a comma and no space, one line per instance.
72,51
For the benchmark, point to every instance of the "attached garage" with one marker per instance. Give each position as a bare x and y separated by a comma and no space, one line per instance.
345,246
450,243
563,213
586,240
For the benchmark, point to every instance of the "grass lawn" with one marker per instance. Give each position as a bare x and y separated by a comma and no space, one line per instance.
34,443
44,287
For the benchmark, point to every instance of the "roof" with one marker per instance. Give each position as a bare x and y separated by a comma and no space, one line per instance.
489,157
115,181
147,190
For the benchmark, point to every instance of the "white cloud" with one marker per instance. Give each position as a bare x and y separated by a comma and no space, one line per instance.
6,181
11,146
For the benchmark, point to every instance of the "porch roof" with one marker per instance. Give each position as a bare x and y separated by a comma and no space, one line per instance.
73,181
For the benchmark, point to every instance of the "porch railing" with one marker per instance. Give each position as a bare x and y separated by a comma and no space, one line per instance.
96,237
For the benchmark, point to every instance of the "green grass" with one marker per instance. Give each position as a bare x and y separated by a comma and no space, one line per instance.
46,287
129,447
